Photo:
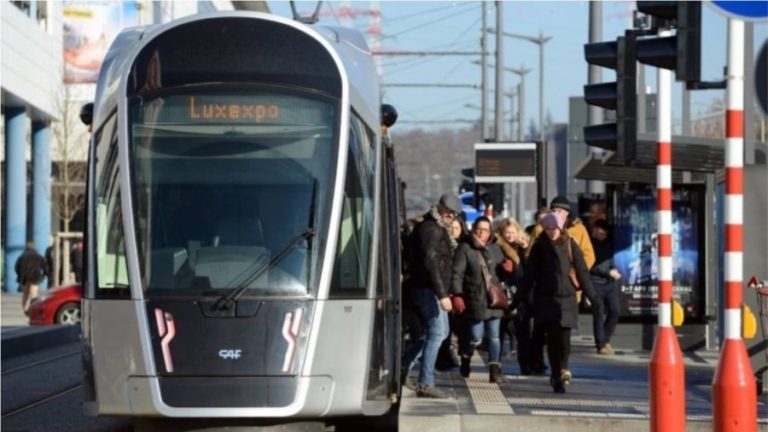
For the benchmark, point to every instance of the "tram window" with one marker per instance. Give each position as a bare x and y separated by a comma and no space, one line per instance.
112,271
350,276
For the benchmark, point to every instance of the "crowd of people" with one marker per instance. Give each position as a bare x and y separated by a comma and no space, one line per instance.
455,278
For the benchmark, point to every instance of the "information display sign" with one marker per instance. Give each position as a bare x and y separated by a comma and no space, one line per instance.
505,162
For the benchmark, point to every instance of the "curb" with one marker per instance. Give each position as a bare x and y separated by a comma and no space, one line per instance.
30,339
527,423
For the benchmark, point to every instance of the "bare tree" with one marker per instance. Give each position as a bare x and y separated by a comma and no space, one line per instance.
69,151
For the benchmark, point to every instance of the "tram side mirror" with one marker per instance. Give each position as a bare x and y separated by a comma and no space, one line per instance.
86,114
388,115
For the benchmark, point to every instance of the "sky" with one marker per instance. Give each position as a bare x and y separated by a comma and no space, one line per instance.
456,26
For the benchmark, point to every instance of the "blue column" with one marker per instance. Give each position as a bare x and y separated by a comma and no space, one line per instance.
15,192
41,188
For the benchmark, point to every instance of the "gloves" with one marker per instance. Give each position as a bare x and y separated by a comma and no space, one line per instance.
458,304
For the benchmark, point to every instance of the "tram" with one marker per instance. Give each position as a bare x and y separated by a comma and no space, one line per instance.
242,225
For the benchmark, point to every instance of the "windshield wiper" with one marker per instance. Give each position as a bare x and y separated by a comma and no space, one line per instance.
225,302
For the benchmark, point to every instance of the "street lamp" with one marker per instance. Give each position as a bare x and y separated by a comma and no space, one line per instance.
521,72
540,41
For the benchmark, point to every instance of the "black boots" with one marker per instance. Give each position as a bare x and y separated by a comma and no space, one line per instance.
494,374
464,368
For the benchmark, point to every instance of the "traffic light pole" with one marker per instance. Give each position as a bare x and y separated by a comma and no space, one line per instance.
595,76
484,61
667,372
734,396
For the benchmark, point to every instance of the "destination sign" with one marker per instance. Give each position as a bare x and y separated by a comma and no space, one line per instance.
235,109
199,109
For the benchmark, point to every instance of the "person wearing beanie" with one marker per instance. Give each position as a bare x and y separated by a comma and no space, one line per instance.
575,227
547,278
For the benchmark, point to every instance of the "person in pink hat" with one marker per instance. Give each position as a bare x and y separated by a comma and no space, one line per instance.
555,270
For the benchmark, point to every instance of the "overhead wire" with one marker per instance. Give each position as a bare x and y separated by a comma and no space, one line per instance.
460,62
415,14
432,22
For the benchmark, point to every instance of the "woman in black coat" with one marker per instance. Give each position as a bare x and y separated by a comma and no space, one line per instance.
554,295
470,301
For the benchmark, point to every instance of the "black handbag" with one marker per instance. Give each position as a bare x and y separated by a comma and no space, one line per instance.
497,297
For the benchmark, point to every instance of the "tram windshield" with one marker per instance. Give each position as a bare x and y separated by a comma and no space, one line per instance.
223,181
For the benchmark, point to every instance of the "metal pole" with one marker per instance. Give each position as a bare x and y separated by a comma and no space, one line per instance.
686,130
545,147
667,371
734,397
749,94
595,76
499,117
521,109
641,102
484,61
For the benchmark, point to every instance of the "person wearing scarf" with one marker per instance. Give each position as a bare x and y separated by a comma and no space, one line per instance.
470,300
516,324
431,254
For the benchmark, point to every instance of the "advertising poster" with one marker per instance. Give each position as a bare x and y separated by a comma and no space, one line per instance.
636,251
89,29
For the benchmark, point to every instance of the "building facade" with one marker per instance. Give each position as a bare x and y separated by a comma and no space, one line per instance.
51,53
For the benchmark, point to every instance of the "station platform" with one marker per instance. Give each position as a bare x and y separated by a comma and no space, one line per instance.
607,393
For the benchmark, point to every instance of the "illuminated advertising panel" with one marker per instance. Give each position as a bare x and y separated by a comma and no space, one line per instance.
636,250
89,29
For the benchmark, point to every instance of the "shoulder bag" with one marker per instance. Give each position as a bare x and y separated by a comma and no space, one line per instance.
497,298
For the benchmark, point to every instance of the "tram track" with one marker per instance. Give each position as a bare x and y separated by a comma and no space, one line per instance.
39,362
40,401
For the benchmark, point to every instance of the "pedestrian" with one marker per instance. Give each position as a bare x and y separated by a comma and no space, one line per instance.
76,260
604,277
476,259
516,324
446,357
49,263
431,256
555,267
30,270
538,366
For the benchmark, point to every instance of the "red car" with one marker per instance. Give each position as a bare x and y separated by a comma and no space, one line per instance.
60,305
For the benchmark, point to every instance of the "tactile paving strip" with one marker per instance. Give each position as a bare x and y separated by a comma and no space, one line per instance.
486,397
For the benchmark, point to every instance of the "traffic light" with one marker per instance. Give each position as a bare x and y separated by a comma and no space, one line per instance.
681,52
621,96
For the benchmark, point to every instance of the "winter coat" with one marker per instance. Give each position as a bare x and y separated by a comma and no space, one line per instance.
431,257
511,272
30,268
577,231
546,276
467,277
600,272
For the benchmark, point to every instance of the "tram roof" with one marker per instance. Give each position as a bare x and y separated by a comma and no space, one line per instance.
349,46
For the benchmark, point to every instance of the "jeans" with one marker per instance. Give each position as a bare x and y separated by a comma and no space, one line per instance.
435,321
472,333
603,325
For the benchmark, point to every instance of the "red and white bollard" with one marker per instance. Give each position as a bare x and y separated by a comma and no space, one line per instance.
734,396
667,372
